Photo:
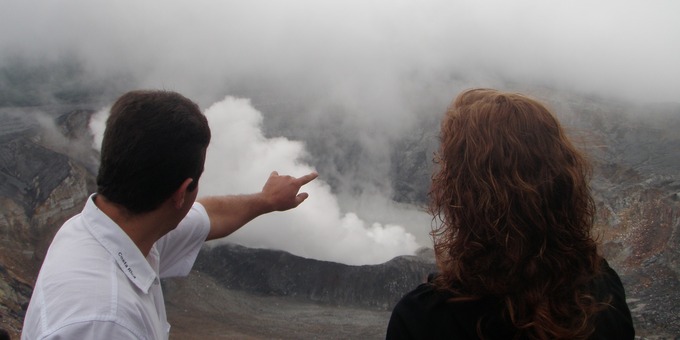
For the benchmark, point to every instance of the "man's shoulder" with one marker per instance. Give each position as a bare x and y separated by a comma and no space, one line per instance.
71,299
75,254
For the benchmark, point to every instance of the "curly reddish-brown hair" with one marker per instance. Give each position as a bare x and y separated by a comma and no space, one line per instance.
514,214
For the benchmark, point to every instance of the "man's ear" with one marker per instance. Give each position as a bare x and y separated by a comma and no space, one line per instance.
179,195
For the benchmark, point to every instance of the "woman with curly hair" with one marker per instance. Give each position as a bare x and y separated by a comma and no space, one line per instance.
513,243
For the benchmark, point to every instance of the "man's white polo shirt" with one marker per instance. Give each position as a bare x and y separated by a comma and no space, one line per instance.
96,284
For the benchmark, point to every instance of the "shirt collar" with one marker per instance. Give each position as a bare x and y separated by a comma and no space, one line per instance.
119,245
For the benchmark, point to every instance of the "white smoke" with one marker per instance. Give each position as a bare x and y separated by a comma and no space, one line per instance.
97,126
240,159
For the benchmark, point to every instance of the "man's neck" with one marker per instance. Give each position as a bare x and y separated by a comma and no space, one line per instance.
143,229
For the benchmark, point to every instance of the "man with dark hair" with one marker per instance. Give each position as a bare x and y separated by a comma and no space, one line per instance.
140,170
100,278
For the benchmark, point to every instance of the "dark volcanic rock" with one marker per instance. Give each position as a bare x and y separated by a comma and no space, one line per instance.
200,308
30,172
14,296
273,272
40,187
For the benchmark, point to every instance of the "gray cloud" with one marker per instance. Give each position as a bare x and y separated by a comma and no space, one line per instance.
364,48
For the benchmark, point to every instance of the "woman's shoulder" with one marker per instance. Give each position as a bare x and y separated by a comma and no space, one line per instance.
607,284
431,312
615,321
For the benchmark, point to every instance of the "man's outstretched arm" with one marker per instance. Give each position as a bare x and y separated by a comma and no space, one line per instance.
229,213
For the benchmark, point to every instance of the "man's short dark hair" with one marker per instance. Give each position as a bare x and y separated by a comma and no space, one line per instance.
153,141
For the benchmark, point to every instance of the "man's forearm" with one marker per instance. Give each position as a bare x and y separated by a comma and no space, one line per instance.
229,213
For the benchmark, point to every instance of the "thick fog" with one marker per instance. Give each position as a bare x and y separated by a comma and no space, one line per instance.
294,86
344,48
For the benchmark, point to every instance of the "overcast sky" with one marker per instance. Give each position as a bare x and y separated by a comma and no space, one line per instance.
630,48
378,63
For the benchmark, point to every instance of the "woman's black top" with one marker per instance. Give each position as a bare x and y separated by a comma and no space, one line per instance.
426,313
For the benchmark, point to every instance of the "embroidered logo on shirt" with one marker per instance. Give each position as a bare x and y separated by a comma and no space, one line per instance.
120,254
